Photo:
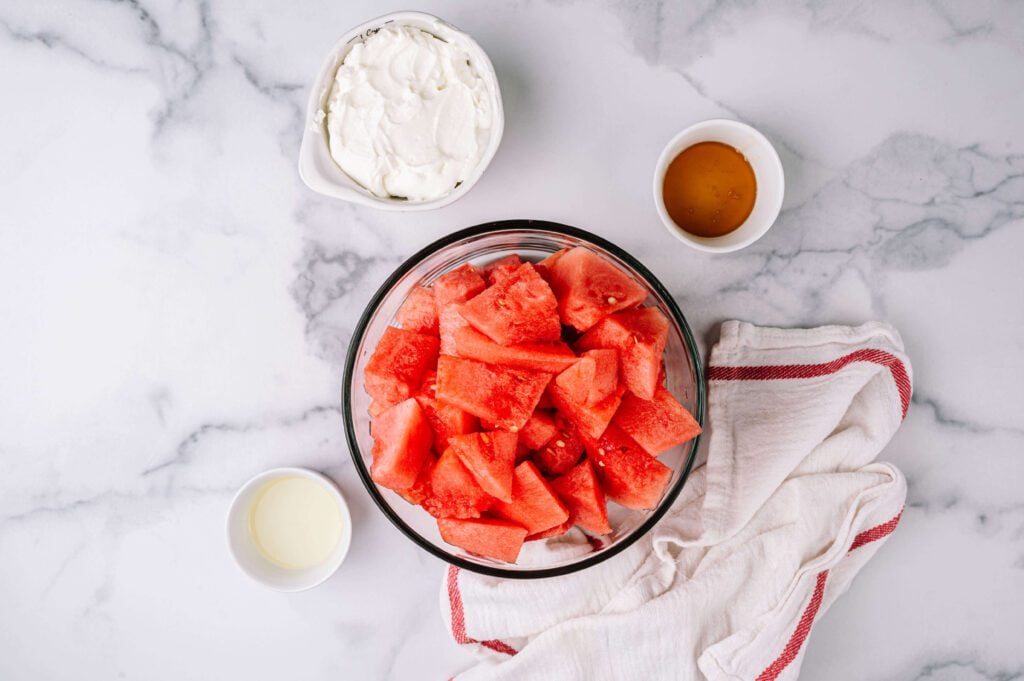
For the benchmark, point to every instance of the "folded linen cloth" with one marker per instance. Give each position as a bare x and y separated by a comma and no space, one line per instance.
762,540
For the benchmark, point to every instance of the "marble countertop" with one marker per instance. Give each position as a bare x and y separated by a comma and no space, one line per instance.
176,305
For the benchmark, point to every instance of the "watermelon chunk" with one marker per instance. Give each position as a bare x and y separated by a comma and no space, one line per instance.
490,458
591,419
418,313
561,452
498,539
501,268
534,505
628,474
457,286
518,309
446,420
449,321
555,531
658,424
640,337
582,494
592,379
589,287
538,430
549,357
504,396
454,492
420,489
397,365
401,443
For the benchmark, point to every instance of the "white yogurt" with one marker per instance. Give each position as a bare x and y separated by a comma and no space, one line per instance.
408,115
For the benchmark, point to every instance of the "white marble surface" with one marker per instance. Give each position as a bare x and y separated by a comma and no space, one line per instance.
175,304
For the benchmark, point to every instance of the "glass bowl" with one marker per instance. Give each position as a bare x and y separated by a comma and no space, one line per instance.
531,240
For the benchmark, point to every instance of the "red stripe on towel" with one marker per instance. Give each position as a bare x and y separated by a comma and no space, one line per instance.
803,627
459,618
782,371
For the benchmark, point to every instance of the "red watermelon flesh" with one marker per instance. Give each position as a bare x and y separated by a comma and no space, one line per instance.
454,492
606,374
457,286
418,313
640,337
580,492
549,357
658,424
591,419
589,287
420,489
538,430
555,531
501,268
628,474
401,443
504,396
561,452
498,539
518,309
397,365
490,458
446,420
449,321
534,505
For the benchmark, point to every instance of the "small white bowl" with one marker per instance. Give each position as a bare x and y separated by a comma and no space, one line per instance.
252,562
771,182
319,171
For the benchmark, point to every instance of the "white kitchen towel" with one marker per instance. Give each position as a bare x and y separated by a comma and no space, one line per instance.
763,538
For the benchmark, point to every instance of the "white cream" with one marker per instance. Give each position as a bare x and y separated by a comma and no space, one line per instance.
408,115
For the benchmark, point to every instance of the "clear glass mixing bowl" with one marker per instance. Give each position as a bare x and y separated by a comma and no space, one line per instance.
531,240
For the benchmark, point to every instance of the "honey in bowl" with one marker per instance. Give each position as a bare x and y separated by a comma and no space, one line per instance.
709,189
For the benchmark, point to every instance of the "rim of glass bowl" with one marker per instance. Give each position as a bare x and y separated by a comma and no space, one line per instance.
521,225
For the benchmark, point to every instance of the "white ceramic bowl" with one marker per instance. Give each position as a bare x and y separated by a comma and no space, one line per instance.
316,167
252,562
764,160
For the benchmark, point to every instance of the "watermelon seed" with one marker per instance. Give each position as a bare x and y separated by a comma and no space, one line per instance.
612,300
514,429
601,464
559,444
483,436
601,451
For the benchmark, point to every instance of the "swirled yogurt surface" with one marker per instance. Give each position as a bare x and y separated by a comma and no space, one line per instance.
408,115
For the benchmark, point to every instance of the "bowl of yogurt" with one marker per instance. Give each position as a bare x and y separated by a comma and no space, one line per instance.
405,114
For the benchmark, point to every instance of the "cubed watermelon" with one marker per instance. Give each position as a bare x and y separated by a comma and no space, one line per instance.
658,424
580,492
539,429
534,505
502,395
561,452
518,309
556,531
420,489
401,443
457,286
589,287
454,493
449,321
489,537
490,458
628,474
446,420
397,365
640,337
418,313
501,268
591,419
548,357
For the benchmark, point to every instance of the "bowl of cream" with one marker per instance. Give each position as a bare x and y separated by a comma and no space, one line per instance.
289,528
405,114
